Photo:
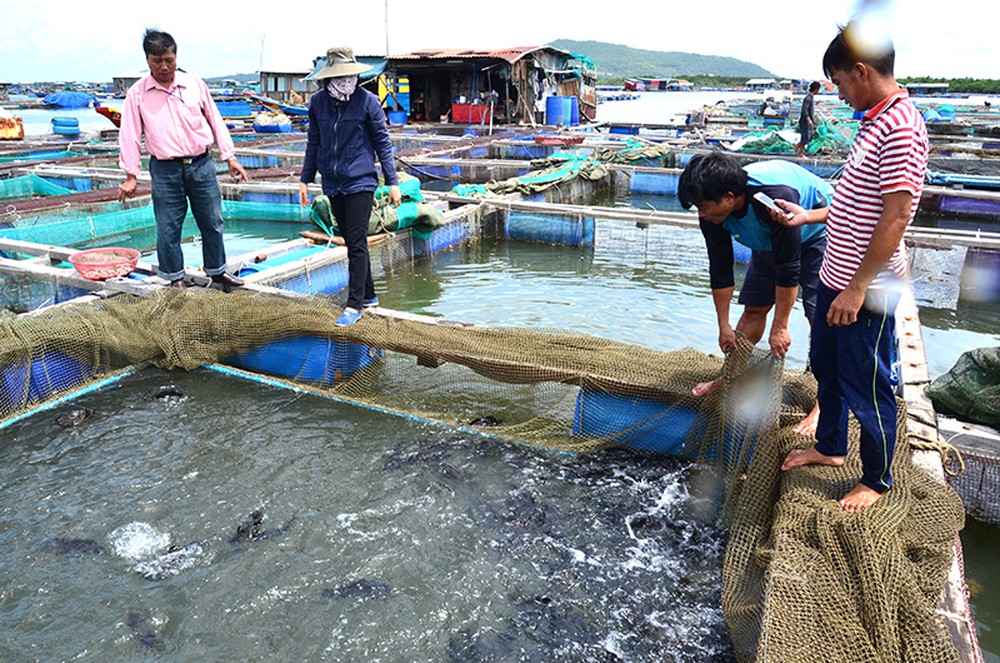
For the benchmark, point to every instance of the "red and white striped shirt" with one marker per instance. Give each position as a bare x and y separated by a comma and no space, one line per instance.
889,154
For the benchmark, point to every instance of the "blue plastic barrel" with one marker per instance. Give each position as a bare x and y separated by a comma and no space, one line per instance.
554,114
558,111
574,110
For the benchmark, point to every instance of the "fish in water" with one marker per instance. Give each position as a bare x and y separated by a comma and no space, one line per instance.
253,529
74,417
163,391
170,563
488,420
363,589
145,632
72,547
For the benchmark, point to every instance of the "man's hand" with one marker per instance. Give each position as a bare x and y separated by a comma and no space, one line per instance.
127,188
236,171
727,339
796,214
303,194
780,340
395,196
844,308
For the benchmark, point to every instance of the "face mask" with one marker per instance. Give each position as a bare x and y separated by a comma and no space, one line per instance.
342,87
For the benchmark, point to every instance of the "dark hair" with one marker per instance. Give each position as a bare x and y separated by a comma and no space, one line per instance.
848,49
155,42
710,177
814,87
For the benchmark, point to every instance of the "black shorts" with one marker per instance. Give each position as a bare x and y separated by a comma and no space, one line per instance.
759,282
805,133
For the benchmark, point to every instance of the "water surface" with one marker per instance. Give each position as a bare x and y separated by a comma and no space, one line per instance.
404,541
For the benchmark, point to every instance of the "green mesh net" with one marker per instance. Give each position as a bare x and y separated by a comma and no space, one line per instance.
74,228
829,139
42,155
970,390
29,186
770,142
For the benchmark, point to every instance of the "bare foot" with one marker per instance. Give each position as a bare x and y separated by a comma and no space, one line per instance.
810,456
706,388
859,499
807,426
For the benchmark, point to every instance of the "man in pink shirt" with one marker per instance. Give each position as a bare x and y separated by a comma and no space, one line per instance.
174,112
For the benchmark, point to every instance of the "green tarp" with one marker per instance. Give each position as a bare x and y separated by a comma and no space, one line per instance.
412,213
971,389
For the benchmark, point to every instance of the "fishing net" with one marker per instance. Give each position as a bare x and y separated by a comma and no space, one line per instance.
770,142
413,212
805,581
529,379
74,228
636,152
561,170
830,139
970,390
29,186
802,580
38,156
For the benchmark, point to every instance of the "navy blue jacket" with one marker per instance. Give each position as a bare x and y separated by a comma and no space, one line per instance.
343,139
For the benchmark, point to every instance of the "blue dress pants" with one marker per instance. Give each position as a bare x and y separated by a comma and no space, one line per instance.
174,184
853,367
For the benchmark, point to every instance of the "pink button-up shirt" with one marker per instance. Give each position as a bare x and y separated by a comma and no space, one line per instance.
182,121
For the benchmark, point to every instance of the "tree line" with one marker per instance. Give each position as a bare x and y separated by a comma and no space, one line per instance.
955,85
960,85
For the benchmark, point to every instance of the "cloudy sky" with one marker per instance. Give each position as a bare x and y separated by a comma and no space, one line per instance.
93,41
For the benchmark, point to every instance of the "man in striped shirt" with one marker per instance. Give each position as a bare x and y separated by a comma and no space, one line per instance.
864,264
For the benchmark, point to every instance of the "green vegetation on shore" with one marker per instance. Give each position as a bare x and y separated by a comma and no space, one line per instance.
616,63
960,85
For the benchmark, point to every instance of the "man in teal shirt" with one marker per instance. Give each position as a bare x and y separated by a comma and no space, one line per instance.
783,259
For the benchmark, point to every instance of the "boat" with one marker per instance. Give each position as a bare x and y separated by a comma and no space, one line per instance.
273,122
68,99
112,114
271,104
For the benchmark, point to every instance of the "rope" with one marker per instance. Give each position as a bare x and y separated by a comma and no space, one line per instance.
946,450
422,171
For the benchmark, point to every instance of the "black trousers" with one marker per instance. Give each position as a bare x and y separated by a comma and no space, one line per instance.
352,212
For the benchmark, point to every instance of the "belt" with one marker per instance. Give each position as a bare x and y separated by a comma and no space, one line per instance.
185,160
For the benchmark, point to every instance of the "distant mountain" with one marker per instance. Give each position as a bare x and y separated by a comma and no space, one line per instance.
239,78
615,61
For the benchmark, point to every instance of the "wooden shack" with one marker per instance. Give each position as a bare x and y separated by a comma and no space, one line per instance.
506,85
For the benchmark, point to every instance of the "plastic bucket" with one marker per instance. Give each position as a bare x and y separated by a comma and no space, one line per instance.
397,118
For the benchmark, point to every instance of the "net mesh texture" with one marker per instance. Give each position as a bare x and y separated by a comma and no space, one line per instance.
802,580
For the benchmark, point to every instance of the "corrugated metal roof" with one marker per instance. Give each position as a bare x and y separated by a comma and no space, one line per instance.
511,55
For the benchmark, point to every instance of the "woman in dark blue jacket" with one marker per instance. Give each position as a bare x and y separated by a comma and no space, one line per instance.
346,128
